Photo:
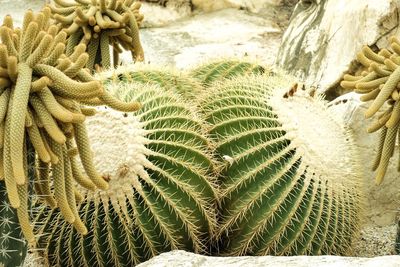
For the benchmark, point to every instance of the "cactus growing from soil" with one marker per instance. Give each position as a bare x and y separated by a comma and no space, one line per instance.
99,24
42,93
160,197
289,172
379,82
217,70
166,78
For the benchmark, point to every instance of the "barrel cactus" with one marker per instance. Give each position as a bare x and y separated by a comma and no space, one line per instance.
161,195
165,77
217,70
289,172
100,24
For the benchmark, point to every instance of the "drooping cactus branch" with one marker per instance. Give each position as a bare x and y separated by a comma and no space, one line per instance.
99,24
380,83
42,91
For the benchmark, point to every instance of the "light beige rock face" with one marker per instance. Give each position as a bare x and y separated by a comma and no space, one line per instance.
180,258
383,201
324,36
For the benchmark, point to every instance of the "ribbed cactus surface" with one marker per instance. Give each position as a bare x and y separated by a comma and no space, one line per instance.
12,243
165,77
218,70
289,173
160,195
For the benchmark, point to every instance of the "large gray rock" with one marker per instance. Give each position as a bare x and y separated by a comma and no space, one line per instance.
180,258
324,36
383,201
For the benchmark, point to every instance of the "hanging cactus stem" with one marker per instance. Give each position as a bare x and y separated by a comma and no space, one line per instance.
41,97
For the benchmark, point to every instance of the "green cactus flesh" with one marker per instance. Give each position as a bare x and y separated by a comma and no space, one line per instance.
12,243
225,69
160,197
289,177
166,78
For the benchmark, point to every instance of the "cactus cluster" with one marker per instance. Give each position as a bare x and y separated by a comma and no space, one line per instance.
285,190
222,69
167,78
379,82
42,93
99,24
161,194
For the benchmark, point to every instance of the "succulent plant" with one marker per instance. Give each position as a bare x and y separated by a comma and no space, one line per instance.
379,82
99,24
289,172
166,78
42,93
161,194
217,70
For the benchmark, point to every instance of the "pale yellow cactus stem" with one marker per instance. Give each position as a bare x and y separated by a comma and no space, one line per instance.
53,157
366,86
363,59
28,41
86,156
379,70
64,86
119,105
386,91
7,41
40,84
80,63
395,116
55,54
49,124
37,142
69,190
59,183
44,183
390,64
40,51
105,51
387,152
380,122
17,121
12,68
23,216
372,55
371,95
54,108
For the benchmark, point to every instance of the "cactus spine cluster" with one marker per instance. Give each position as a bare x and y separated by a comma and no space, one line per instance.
286,190
99,24
166,78
225,69
379,82
42,93
160,197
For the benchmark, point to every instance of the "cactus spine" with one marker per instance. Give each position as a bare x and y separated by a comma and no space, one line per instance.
166,78
225,69
290,177
160,195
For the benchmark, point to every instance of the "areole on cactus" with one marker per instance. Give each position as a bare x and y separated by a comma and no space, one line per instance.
42,96
161,193
290,177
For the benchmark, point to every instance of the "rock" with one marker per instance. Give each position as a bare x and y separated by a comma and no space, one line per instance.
228,32
180,258
319,45
382,203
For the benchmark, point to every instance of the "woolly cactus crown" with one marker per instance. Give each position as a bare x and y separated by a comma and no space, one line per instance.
289,171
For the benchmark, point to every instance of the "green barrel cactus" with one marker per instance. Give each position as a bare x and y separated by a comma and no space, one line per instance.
289,172
218,70
161,195
165,77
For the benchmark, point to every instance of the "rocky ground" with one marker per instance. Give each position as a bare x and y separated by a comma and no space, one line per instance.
183,39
